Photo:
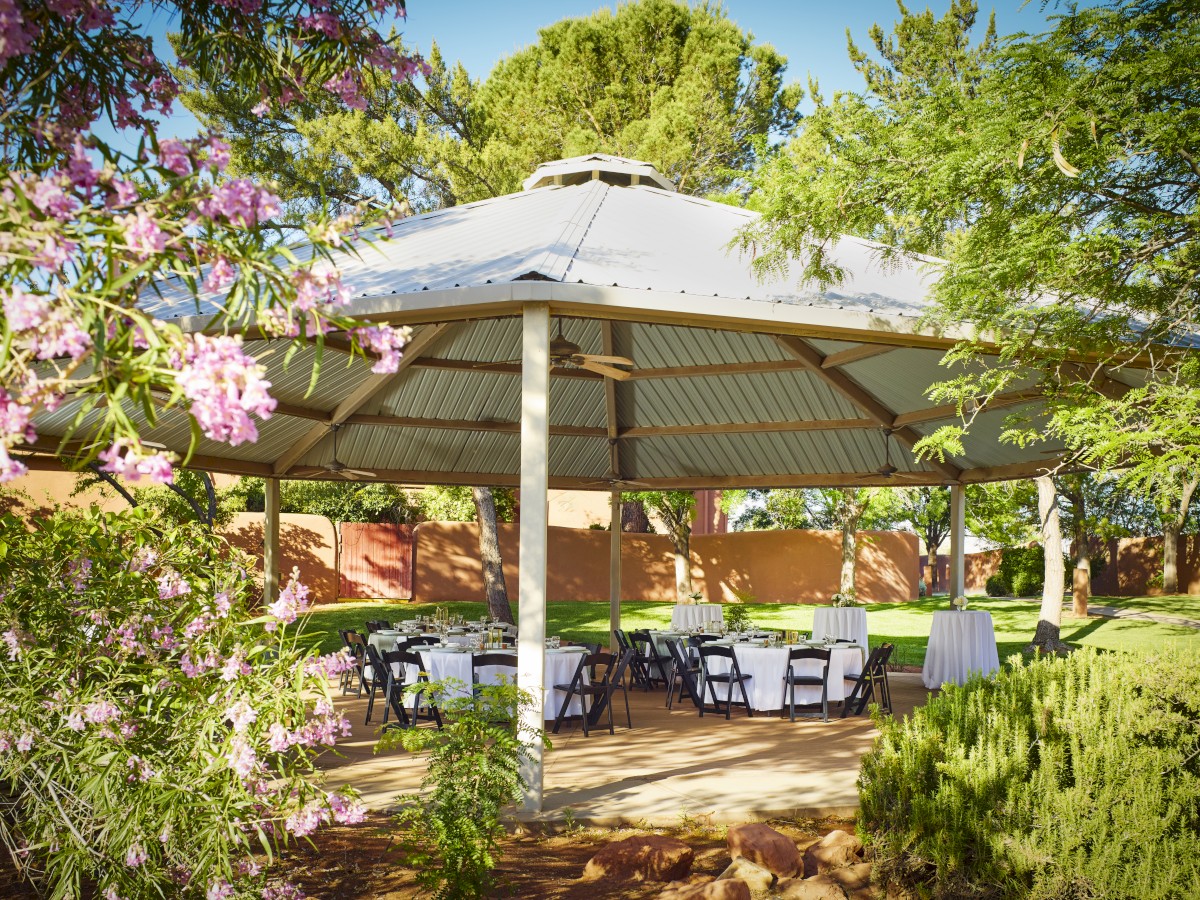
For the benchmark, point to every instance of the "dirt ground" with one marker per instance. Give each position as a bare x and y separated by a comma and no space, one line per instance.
367,861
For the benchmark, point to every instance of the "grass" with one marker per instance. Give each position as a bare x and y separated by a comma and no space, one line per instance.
904,624
1170,605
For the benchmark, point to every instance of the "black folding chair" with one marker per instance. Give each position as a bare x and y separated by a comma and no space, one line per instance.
730,678
636,669
393,690
358,647
792,678
605,673
421,640
383,680
375,625
654,663
872,681
348,676
405,659
489,660
685,670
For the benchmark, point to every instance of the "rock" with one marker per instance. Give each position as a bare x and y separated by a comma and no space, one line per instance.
764,845
646,858
757,879
820,887
834,851
730,889
855,881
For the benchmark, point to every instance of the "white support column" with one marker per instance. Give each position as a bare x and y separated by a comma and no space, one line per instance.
535,450
271,541
958,536
614,569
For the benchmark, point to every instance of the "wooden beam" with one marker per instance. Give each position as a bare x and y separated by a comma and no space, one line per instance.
854,354
499,368
611,426
508,368
950,410
370,386
860,397
477,425
1013,470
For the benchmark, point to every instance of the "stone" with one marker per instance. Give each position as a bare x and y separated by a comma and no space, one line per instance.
759,880
645,858
834,851
819,887
855,881
730,889
764,845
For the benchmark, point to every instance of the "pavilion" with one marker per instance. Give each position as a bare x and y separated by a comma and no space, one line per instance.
735,382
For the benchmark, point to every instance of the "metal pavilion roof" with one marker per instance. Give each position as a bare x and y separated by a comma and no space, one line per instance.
736,382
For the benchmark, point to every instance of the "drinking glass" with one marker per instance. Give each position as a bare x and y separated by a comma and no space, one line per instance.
554,642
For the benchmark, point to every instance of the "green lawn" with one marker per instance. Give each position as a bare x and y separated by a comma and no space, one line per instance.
905,624
1173,605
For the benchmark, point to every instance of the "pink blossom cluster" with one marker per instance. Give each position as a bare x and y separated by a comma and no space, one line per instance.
142,235
224,385
241,756
135,855
318,291
22,744
385,341
322,730
143,558
283,890
100,712
15,428
140,770
221,274
325,23
129,460
219,888
15,640
172,584
315,813
346,88
329,665
16,35
293,600
235,666
195,667
241,715
240,203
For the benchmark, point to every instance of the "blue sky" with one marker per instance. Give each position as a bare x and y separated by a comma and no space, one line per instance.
810,33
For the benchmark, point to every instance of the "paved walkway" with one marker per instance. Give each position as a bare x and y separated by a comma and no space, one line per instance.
1113,612
672,764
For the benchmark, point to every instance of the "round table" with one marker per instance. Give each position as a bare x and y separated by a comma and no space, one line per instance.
442,663
768,666
960,644
690,616
843,622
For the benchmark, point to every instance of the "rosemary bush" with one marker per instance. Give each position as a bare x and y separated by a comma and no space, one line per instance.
1075,777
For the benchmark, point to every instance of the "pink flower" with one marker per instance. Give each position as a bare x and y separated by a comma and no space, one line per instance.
25,311
346,87
135,855
218,154
292,601
126,192
143,558
240,715
110,893
261,108
278,738
240,202
234,666
143,235
14,639
172,584
385,341
17,33
220,889
53,254
75,721
80,169
25,742
173,156
49,197
283,891
347,810
127,459
98,712
224,385
220,275
307,819
241,757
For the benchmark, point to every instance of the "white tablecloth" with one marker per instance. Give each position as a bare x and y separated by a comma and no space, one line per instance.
560,669
848,623
687,616
960,643
768,666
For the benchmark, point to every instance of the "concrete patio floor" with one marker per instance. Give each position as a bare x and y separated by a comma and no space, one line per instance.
671,765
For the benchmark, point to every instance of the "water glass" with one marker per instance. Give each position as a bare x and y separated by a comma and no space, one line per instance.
555,642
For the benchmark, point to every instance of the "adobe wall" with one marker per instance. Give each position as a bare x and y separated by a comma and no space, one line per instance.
307,542
774,566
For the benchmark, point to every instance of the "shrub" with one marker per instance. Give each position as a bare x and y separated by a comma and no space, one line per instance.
155,737
474,773
1073,777
737,617
1023,570
996,586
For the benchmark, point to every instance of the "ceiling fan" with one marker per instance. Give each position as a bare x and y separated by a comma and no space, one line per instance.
336,467
569,355
887,470
613,481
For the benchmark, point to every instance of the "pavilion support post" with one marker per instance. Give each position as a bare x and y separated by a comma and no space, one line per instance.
958,538
271,541
535,449
614,570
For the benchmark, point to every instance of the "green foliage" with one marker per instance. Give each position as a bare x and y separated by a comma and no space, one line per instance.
1073,777
996,586
1023,570
454,827
737,617
455,504
1057,175
143,707
823,508
339,501
681,87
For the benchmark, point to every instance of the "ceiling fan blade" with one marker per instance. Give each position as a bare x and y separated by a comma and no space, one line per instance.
601,369
496,362
615,360
359,473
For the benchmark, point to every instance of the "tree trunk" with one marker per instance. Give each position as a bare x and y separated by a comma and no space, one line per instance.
1082,580
681,542
849,541
1172,528
931,552
633,517
1046,637
489,552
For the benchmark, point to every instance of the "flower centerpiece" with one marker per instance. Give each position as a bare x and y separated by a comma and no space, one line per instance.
844,598
959,603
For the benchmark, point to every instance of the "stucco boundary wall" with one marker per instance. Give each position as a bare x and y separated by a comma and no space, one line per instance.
308,543
773,566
